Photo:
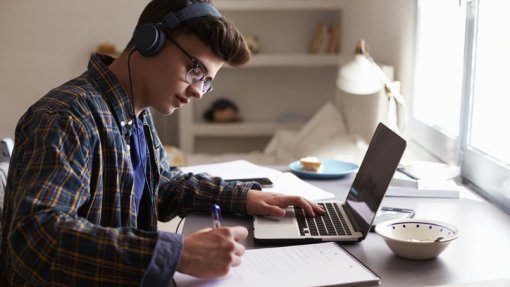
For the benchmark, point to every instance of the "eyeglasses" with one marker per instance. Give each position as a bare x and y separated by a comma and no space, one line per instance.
195,75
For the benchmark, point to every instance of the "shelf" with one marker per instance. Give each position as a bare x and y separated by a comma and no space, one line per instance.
283,79
293,60
241,129
243,5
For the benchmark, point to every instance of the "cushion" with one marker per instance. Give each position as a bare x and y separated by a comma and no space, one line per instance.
321,128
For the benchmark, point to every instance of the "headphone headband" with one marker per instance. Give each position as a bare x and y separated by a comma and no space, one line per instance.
173,20
150,38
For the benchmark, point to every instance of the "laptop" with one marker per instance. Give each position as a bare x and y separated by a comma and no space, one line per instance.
345,221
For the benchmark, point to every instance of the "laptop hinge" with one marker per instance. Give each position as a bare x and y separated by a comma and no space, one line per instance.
353,218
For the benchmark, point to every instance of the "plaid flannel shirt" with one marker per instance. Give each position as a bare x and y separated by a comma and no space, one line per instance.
69,215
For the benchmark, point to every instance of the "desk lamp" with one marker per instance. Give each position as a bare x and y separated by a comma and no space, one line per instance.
362,76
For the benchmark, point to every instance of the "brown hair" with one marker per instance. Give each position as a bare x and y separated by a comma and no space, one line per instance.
219,34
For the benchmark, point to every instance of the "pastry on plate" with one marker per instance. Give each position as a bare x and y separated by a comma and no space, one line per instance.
310,163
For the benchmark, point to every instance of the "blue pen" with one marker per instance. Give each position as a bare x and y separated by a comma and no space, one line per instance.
216,215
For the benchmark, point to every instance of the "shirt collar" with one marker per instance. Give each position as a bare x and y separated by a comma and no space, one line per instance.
111,89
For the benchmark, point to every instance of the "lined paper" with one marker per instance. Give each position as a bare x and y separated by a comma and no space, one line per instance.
321,264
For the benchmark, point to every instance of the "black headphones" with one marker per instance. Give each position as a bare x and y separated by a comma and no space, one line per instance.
150,38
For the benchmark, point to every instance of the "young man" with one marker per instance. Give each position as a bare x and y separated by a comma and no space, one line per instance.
89,178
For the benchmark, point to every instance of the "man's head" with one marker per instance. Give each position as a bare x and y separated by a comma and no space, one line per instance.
191,55
218,33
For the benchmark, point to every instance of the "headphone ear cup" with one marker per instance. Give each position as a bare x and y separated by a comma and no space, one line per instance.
149,39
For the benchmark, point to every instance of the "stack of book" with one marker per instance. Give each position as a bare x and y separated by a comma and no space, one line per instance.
326,39
425,179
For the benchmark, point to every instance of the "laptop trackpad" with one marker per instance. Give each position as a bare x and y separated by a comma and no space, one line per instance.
274,227
287,219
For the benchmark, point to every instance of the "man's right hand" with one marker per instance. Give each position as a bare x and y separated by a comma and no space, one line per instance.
210,253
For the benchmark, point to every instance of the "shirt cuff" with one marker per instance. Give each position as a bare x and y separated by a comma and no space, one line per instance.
234,196
164,261
256,186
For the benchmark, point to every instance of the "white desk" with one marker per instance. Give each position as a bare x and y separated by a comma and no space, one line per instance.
482,252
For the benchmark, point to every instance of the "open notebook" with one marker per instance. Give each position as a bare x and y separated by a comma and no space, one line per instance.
322,264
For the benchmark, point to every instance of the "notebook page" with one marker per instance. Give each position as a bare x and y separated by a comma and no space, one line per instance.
319,264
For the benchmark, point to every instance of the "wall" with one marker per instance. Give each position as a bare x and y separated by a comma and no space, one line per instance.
45,43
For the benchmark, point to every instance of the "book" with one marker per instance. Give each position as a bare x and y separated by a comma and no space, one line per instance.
326,39
321,264
320,38
426,188
333,46
430,170
424,179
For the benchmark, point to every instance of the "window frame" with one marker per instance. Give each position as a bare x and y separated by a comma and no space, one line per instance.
435,140
494,182
489,177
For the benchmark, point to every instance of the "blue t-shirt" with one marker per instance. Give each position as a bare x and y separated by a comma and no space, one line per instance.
139,159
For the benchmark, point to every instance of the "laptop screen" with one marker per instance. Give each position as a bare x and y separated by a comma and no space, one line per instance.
374,176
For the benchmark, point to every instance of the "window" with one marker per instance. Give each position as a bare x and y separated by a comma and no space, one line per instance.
460,108
438,79
439,64
491,99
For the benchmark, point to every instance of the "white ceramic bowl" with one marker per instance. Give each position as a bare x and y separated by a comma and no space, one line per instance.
417,239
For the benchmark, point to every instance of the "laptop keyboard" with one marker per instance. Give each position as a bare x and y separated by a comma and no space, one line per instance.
331,223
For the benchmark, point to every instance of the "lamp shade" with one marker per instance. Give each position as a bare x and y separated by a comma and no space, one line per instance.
362,76
359,77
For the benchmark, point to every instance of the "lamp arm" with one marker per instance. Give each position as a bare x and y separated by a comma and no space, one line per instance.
401,110
392,93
